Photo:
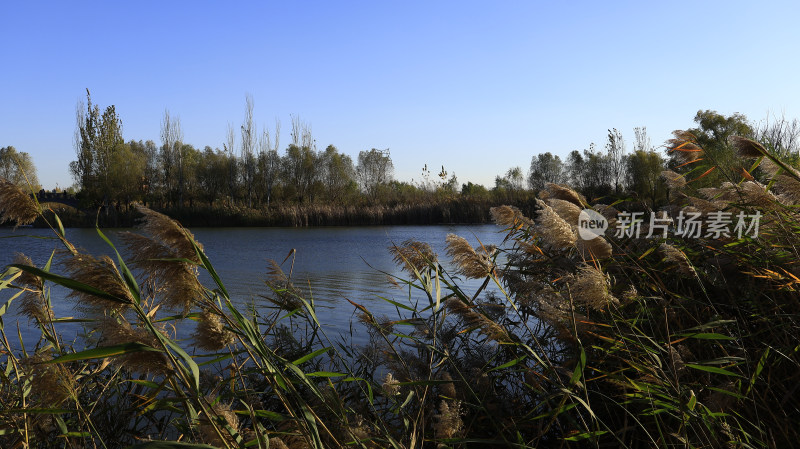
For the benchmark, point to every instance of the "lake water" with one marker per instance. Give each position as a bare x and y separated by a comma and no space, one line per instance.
335,264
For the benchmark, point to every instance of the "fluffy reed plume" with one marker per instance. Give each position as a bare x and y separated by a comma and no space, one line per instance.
390,385
210,333
471,318
101,274
555,233
207,432
509,217
726,192
747,148
447,389
170,233
15,205
115,331
590,287
158,255
789,189
674,180
472,262
448,421
284,293
560,192
33,303
413,256
756,194
704,206
51,383
596,248
676,256
566,210
609,212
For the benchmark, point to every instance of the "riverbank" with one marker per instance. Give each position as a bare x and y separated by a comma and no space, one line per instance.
465,210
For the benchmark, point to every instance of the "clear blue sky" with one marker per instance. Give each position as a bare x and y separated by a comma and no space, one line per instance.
478,87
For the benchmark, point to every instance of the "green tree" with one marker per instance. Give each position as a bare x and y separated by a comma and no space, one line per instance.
98,144
338,174
375,168
18,168
545,168
644,176
212,174
718,160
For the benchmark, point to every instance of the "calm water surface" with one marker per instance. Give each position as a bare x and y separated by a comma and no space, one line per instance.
335,264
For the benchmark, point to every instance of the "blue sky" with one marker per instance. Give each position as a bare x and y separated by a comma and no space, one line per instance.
478,87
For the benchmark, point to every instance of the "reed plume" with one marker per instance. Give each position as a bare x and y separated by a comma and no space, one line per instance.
590,287
15,205
33,303
448,421
747,148
211,333
471,318
117,330
160,255
556,234
413,255
469,261
284,294
673,180
560,192
101,274
209,435
566,210
509,217
596,248
52,383
676,256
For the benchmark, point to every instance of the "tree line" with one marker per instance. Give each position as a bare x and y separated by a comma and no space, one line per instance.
251,172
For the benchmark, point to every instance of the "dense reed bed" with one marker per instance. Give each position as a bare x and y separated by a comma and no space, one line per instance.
617,341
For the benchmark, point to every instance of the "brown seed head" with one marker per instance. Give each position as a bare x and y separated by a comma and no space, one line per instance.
674,181
116,330
590,287
676,256
413,255
561,192
596,248
747,148
15,205
566,210
471,262
509,217
33,303
101,274
555,233
211,333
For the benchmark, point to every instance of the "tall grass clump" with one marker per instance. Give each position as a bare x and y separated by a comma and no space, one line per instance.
679,339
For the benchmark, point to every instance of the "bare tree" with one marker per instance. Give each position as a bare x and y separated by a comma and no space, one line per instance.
642,142
780,135
248,146
172,155
615,151
231,161
269,161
